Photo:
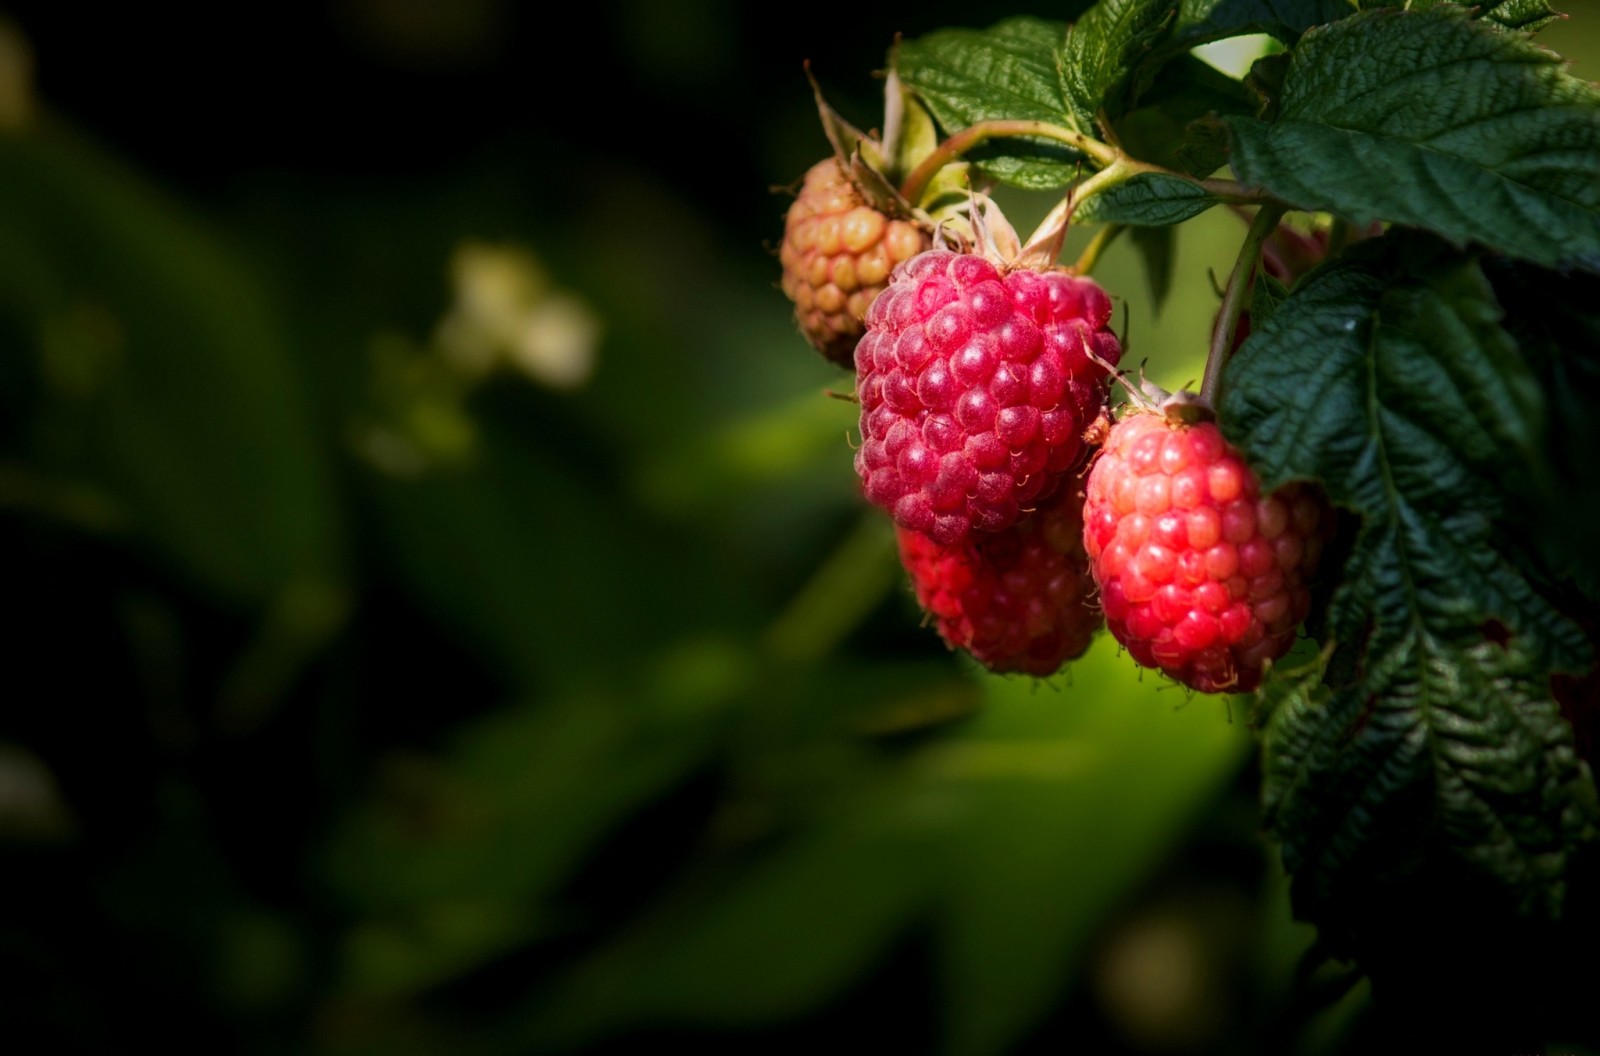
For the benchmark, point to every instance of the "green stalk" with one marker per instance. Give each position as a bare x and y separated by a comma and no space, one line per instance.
1233,295
840,594
1091,253
975,135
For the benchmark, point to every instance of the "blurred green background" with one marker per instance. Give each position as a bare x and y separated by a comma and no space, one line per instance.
441,617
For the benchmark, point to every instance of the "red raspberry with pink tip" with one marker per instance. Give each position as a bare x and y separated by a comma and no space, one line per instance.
1020,600
976,384
1200,574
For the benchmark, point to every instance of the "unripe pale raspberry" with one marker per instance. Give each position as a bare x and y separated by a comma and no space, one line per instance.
1020,600
976,385
1200,575
837,254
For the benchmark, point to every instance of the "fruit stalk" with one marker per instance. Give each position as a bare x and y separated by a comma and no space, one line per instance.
1233,296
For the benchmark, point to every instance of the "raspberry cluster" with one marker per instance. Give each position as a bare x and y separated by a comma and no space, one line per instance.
1019,600
837,254
1200,574
976,385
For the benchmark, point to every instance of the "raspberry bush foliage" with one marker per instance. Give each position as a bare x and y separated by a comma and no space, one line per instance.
1396,421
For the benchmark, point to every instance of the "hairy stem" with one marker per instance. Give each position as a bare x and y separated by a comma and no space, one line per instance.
1244,270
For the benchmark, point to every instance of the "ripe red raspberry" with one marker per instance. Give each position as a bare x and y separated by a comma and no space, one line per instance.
976,384
1018,600
1200,575
837,254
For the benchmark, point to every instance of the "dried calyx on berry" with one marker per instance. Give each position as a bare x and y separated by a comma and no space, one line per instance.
849,226
1200,574
978,375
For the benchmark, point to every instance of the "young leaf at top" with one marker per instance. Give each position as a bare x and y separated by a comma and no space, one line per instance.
1525,16
1006,72
1177,122
1387,376
1431,119
1102,50
1200,21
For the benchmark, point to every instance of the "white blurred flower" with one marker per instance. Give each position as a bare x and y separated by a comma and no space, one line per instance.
506,312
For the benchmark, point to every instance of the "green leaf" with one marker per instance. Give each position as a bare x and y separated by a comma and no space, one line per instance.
1265,297
443,844
1005,72
1102,50
168,361
1176,122
771,940
1433,120
1386,376
1012,837
1440,751
1059,805
1147,198
1200,21
1524,16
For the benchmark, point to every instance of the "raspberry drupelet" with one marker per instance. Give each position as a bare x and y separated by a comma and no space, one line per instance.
1020,600
1200,574
976,384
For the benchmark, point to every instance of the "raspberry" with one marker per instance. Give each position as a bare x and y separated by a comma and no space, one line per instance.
837,254
1200,575
1017,600
976,384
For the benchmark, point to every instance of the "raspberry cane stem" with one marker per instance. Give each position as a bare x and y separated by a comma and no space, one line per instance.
1244,270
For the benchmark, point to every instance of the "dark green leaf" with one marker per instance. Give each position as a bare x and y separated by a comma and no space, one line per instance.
1005,72
450,833
1441,750
1386,376
1175,124
1102,50
1149,198
1526,16
1265,296
1436,121
1205,20
948,836
770,941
